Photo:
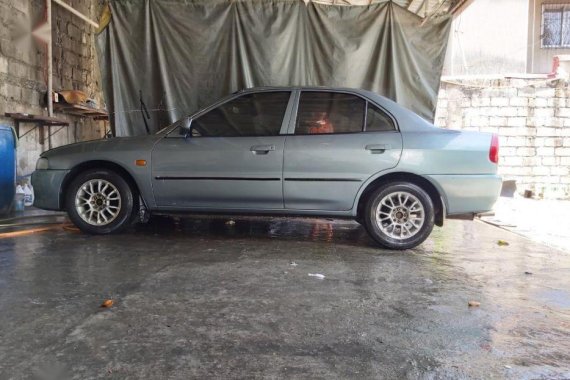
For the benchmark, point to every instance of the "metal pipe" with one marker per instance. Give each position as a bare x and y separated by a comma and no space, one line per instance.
49,61
76,12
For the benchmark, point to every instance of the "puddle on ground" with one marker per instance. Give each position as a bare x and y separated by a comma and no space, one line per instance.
555,297
322,230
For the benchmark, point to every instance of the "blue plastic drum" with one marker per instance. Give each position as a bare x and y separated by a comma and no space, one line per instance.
7,168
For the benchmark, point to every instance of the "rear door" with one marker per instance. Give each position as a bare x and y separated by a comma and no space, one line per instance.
339,140
233,160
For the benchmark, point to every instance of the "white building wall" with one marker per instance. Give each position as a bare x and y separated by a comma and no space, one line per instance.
489,37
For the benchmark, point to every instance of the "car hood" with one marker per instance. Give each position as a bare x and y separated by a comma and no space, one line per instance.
114,144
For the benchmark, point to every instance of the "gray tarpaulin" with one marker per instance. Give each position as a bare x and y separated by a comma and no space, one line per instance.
182,55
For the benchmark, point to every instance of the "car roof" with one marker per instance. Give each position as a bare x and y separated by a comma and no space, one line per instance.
290,88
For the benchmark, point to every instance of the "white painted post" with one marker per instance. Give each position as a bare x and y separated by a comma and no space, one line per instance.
49,62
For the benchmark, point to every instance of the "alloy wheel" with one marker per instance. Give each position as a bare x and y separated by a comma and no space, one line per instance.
400,215
98,202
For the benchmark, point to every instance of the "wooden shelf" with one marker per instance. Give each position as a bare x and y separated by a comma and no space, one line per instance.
79,110
46,121
40,121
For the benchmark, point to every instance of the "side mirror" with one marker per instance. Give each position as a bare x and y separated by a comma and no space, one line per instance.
187,127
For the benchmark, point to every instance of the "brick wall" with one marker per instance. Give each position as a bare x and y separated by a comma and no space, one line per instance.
532,119
23,71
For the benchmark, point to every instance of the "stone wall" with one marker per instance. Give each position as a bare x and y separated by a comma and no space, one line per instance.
532,119
23,71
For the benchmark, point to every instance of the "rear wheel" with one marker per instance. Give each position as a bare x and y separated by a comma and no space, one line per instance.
99,201
399,215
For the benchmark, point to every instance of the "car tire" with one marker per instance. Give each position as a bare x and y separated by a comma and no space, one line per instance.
100,201
399,215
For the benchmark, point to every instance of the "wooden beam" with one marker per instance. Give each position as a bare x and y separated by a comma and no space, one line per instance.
460,7
76,12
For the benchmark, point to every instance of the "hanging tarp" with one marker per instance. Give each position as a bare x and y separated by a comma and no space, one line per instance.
180,55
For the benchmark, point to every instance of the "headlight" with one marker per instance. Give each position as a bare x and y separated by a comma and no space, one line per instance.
42,164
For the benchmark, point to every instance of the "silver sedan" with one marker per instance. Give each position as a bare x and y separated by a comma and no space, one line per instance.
331,152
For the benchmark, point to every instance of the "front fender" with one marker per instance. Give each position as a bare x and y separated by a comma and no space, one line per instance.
48,186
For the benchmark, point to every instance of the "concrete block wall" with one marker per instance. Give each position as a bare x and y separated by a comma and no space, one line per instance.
532,119
23,71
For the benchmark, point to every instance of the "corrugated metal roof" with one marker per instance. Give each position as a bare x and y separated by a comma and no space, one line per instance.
422,8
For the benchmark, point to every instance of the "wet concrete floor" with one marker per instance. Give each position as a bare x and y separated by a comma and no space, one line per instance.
203,298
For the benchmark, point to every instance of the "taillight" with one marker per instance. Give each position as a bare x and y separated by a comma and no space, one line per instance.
494,149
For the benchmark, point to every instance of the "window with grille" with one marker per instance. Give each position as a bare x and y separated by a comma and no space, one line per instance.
556,25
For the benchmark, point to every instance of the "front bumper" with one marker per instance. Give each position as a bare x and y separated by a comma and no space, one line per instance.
48,188
468,194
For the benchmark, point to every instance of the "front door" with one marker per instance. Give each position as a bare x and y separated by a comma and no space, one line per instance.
232,160
340,140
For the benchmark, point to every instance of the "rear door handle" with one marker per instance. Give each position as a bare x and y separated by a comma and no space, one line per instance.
262,149
377,148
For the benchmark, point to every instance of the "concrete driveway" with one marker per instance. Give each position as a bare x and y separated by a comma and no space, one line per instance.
203,298
546,221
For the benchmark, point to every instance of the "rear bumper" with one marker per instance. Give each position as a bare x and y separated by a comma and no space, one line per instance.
468,194
47,188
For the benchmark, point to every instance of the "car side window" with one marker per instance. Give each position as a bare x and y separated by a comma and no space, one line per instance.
378,120
257,114
329,112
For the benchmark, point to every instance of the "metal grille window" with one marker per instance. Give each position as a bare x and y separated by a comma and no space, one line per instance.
555,25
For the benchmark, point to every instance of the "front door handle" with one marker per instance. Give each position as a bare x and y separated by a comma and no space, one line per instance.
262,149
377,148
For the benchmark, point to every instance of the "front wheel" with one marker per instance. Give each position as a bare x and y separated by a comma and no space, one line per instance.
99,201
399,215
